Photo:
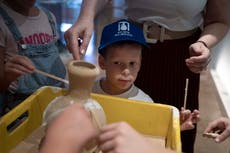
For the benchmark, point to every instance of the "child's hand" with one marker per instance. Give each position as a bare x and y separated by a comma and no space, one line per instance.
195,116
187,119
18,65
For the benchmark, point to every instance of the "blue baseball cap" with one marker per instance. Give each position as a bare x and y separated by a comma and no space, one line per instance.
121,30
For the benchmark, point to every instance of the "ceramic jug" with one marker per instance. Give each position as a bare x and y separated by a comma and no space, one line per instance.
82,76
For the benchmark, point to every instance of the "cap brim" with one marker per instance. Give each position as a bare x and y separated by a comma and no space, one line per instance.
122,39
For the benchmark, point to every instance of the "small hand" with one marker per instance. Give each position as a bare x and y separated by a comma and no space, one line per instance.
18,65
188,119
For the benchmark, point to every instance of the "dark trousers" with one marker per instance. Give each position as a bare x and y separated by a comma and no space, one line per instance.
163,75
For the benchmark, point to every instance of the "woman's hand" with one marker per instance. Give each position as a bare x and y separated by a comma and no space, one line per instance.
199,57
78,36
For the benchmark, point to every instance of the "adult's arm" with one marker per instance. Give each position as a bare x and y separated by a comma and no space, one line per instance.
121,137
216,25
83,27
69,132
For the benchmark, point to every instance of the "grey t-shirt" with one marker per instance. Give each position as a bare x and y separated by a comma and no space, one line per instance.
133,93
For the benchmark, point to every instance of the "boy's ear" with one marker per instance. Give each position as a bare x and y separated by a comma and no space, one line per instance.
101,62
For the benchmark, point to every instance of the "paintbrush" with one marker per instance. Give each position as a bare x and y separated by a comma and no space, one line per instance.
51,76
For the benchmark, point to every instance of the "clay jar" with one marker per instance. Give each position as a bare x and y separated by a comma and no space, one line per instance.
82,76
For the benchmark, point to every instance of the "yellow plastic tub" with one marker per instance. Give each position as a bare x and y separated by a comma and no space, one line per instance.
149,119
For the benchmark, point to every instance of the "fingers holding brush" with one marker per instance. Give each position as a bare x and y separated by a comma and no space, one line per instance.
218,129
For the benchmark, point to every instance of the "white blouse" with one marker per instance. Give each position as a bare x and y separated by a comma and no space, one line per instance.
176,15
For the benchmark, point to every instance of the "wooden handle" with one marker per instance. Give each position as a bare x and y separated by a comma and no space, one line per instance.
186,93
51,76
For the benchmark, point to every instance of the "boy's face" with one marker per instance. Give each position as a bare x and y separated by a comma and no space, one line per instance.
121,65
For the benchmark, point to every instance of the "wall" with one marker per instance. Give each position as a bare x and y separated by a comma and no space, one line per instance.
220,69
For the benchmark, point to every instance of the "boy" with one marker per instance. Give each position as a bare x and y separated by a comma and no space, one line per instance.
120,56
28,41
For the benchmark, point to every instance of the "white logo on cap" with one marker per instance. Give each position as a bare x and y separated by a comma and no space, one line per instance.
123,26
123,29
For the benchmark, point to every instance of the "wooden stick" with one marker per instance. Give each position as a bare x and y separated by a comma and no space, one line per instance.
210,135
51,76
186,92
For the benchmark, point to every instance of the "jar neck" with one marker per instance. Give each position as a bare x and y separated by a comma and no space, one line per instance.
79,94
82,76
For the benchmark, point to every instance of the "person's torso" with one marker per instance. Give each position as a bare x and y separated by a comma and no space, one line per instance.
34,30
34,37
176,15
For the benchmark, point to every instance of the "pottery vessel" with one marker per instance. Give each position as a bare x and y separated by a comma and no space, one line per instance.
82,76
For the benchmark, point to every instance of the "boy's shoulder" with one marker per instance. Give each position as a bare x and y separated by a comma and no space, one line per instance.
141,95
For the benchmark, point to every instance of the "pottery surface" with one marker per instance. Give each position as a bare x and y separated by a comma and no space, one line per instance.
82,76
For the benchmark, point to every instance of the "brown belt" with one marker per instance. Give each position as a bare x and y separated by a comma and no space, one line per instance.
154,32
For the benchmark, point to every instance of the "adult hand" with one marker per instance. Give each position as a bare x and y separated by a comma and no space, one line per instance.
222,124
122,138
70,131
199,57
78,36
16,66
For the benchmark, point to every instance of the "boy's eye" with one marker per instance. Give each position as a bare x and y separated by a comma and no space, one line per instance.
117,63
132,63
